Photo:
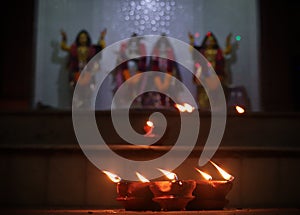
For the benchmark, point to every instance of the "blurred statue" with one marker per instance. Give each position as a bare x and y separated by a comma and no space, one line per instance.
80,53
130,64
213,53
163,60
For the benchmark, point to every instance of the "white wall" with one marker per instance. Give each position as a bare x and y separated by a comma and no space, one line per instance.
218,16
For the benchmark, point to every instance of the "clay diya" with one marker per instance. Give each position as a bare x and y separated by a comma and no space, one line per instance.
173,195
211,194
136,196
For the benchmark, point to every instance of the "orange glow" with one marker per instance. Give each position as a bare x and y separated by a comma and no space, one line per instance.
181,108
141,178
170,175
112,176
189,108
204,175
150,124
239,109
224,174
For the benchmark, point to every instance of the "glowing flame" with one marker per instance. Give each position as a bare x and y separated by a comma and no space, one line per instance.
180,107
170,175
112,176
224,174
239,109
141,178
185,107
205,175
150,124
189,108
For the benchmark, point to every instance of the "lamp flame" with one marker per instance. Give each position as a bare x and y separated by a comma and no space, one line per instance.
170,175
189,108
224,174
180,107
115,178
239,109
185,107
204,175
141,178
150,124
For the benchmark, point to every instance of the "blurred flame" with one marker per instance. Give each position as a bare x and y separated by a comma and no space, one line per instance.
141,178
185,107
112,176
224,174
150,124
189,108
239,109
180,107
205,175
170,175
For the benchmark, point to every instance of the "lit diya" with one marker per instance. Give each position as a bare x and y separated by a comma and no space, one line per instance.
172,194
134,195
211,194
148,128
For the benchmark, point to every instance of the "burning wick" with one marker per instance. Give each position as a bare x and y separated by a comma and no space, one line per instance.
224,174
148,128
239,109
185,107
112,176
170,175
141,178
204,175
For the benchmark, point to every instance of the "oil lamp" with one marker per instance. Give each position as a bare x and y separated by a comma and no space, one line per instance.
134,195
211,194
172,194
148,128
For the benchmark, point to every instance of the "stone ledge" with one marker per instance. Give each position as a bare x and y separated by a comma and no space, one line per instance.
271,211
223,151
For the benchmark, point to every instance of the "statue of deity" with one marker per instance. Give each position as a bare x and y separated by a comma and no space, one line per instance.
215,55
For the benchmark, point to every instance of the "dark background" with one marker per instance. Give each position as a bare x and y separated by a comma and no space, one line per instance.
279,55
